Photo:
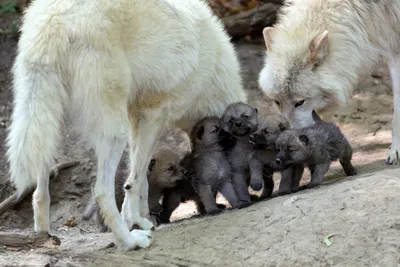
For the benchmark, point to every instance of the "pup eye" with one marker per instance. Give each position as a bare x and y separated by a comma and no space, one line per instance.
277,150
299,103
231,120
277,102
172,168
291,149
216,128
245,117
265,131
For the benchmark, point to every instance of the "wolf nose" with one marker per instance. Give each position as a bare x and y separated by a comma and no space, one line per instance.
238,123
278,161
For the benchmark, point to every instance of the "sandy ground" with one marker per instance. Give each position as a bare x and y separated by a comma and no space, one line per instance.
361,211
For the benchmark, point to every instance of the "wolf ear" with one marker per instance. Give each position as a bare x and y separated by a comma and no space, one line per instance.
267,33
304,139
151,165
200,133
318,48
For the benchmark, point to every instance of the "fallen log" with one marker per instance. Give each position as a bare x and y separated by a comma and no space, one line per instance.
13,200
252,20
26,239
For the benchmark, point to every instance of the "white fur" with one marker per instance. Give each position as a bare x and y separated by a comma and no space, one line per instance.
123,70
358,32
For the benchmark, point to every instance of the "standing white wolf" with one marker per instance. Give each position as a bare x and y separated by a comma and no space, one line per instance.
317,50
123,70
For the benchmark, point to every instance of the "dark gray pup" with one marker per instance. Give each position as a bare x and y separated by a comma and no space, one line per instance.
263,163
316,147
208,170
240,121
164,171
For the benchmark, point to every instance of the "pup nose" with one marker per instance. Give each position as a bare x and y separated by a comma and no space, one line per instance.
278,161
238,123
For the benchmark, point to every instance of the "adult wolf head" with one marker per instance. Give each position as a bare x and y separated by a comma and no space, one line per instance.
311,62
293,80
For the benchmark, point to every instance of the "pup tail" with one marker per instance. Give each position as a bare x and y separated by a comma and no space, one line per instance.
34,133
316,117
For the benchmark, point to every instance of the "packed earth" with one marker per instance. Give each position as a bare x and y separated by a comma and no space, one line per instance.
360,215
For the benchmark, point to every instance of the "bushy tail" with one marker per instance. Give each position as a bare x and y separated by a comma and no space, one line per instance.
34,134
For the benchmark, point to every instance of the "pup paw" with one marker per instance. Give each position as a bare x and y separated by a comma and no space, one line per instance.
393,156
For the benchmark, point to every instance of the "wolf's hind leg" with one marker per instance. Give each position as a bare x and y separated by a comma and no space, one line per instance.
393,156
109,154
146,124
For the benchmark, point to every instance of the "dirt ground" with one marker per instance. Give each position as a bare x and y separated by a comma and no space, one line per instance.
362,212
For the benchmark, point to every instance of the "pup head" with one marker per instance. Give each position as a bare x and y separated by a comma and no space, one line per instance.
269,128
291,148
165,170
240,120
296,74
206,132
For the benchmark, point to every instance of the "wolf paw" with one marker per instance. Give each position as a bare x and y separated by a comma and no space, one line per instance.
137,239
137,222
393,156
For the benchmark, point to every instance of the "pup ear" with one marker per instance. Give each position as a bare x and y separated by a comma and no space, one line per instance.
151,165
268,33
318,49
256,110
315,116
200,133
304,139
284,126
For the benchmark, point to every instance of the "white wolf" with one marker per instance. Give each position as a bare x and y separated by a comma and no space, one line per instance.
123,70
317,50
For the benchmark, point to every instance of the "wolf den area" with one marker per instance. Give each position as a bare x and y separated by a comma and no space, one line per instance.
348,221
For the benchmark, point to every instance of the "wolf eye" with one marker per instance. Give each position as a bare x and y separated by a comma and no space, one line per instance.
299,103
172,168
277,102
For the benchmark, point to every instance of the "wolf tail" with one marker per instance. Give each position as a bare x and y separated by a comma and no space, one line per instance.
316,117
35,130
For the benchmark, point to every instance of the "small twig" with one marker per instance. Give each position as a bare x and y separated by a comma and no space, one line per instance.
13,200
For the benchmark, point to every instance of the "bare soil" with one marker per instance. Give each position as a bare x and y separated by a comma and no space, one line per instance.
362,211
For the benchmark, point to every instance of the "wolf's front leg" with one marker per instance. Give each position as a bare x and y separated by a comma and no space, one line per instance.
145,130
108,156
393,156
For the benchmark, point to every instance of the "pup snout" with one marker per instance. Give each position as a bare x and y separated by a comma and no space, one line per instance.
252,138
184,172
238,123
